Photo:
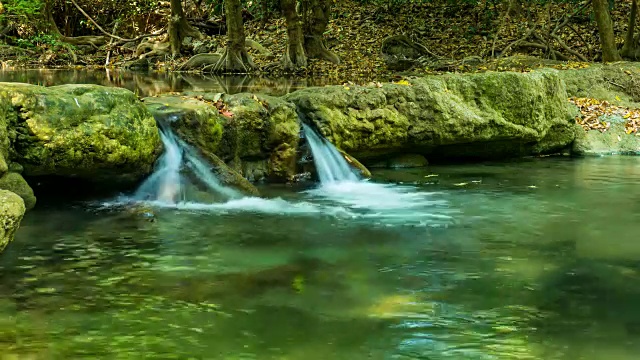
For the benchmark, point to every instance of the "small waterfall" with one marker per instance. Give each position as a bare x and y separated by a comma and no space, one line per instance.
383,203
330,164
167,184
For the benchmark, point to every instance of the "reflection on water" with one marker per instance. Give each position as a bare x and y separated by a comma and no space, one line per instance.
154,83
540,262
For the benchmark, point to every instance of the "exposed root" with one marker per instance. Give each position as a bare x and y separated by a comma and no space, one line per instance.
316,49
200,60
93,41
232,62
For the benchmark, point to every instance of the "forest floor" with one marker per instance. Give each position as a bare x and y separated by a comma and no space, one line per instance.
356,32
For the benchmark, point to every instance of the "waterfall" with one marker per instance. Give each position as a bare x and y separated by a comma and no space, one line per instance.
330,164
167,183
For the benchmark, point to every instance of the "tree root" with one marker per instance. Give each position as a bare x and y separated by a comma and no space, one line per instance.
200,60
232,62
93,41
316,49
295,59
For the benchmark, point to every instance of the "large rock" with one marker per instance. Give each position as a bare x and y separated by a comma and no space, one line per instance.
89,132
256,135
489,115
11,212
15,183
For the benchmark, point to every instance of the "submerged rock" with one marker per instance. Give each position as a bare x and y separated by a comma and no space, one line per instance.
256,135
11,212
489,115
99,134
15,183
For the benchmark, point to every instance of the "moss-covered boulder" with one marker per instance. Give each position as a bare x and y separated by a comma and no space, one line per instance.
256,135
614,141
11,212
15,183
617,83
488,115
104,135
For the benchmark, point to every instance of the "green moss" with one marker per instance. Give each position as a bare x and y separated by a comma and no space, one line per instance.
434,114
11,212
612,142
259,140
15,183
85,131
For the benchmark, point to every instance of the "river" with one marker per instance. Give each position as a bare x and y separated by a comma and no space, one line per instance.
527,259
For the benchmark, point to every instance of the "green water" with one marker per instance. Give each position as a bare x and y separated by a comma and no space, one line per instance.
535,259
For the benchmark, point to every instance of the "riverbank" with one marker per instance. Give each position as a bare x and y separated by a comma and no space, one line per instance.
356,34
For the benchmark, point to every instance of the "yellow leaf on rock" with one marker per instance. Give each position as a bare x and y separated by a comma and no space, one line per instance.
403,82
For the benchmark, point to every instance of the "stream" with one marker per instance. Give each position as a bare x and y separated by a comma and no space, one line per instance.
527,259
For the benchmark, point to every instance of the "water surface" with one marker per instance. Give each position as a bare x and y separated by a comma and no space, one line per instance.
534,259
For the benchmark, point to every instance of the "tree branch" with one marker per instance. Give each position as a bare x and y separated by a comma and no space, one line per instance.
123,40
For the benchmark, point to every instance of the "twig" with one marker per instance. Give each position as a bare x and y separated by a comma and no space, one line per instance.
568,17
568,49
516,42
618,85
581,39
111,35
115,27
544,47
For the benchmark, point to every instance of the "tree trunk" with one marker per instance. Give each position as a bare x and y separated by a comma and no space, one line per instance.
235,58
294,56
629,47
179,28
605,30
317,13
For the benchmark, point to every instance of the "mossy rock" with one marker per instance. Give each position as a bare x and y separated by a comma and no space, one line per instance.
15,183
257,136
617,83
100,134
11,212
614,141
488,115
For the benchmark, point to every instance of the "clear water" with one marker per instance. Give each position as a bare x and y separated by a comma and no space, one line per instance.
537,259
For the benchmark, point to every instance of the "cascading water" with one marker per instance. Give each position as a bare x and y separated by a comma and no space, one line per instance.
388,203
167,183
330,164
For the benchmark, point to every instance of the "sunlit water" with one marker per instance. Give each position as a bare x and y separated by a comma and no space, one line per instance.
536,259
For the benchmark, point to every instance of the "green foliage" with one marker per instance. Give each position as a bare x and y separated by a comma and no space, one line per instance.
37,40
20,12
21,9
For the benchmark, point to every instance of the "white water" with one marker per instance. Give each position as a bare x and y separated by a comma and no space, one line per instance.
330,164
341,194
383,203
167,184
